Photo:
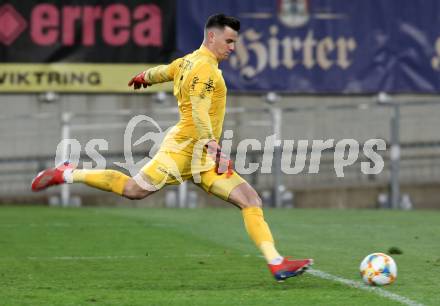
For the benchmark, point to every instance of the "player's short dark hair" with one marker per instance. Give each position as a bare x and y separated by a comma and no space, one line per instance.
221,20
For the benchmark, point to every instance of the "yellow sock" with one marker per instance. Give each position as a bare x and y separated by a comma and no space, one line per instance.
259,232
107,180
270,253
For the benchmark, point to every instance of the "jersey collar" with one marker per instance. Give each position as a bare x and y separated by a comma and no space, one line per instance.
205,51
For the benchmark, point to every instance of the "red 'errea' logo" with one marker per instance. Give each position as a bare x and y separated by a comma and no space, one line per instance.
114,24
11,24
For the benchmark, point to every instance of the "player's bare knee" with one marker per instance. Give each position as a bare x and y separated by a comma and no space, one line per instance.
133,191
252,198
245,196
249,203
253,201
135,194
257,202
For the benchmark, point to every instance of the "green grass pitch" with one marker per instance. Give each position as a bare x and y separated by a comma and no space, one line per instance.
133,256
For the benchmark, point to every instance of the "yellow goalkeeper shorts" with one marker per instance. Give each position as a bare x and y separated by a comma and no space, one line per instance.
170,168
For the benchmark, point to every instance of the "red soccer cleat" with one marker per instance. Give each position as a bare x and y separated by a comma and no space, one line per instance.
290,268
50,177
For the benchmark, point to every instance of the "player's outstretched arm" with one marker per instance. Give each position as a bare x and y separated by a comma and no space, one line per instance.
158,74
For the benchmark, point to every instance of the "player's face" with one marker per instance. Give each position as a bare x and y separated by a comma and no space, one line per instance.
224,42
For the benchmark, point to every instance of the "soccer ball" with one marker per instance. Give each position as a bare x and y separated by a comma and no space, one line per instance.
378,269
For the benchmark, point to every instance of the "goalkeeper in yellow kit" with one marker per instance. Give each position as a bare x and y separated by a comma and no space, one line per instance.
191,149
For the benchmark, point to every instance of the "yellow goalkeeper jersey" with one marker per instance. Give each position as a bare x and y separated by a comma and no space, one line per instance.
200,91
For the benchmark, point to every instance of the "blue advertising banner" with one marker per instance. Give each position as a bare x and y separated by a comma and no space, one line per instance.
325,46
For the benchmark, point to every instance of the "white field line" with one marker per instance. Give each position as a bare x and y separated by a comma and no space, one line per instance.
118,257
359,285
84,257
317,273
